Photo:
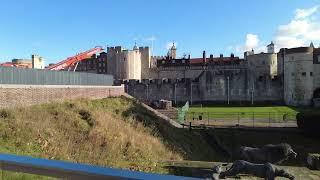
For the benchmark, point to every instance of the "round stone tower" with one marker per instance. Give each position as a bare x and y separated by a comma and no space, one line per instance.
298,76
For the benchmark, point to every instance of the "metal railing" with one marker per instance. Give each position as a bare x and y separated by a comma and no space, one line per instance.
68,170
244,119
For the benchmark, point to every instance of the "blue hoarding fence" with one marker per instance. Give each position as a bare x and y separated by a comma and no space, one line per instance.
12,75
69,170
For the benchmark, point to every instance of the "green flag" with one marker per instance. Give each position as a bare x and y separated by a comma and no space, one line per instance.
182,112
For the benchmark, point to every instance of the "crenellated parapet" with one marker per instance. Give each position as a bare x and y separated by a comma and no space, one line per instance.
164,81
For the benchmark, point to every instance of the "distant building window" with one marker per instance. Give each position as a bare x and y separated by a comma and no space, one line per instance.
292,74
292,58
183,61
311,73
304,73
173,61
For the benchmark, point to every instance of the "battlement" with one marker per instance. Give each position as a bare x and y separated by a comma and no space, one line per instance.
132,82
159,57
114,49
146,48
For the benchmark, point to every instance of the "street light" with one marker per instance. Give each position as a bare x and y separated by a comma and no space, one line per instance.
175,93
252,92
147,92
228,91
191,93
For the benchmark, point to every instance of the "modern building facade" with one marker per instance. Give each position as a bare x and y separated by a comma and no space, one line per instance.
36,62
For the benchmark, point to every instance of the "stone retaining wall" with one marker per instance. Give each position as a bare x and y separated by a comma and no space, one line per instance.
25,95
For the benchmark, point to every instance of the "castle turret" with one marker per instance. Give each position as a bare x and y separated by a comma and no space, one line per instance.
311,45
135,47
172,52
270,47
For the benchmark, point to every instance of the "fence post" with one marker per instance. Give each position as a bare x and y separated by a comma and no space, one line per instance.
253,118
190,126
269,119
238,119
208,118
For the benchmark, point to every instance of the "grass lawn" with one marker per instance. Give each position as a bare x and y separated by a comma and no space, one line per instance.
275,113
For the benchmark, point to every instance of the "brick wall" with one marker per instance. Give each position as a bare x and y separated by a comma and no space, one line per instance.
25,95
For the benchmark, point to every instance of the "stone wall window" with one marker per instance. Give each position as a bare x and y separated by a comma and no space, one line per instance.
311,73
304,73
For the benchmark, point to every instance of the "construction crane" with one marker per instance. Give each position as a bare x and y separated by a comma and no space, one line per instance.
74,60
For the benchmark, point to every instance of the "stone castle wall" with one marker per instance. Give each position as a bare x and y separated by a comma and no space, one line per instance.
210,86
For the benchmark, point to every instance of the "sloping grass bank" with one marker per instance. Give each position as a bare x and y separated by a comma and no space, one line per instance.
113,132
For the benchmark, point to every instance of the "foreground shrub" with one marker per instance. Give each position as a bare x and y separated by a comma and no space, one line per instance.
314,161
309,122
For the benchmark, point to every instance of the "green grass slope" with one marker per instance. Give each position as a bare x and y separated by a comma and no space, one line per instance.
113,132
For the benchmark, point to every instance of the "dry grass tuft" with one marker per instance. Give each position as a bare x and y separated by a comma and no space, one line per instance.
94,132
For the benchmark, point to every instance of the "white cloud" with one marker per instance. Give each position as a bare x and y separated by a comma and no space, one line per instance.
252,42
303,13
303,28
170,44
151,38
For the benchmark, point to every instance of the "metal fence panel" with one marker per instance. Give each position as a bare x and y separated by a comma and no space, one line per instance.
245,119
11,75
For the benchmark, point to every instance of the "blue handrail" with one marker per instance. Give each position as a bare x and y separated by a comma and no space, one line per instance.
71,170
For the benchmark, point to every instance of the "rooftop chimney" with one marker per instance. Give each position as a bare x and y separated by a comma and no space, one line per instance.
204,57
211,57
221,56
232,55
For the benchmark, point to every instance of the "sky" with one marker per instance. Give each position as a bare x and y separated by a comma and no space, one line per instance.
60,28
